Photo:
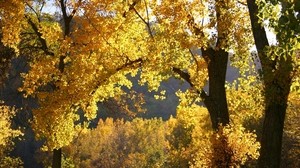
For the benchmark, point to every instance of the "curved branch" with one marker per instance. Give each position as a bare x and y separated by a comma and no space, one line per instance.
129,64
186,76
42,40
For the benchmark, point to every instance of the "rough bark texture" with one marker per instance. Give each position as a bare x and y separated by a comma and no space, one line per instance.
216,101
277,83
271,141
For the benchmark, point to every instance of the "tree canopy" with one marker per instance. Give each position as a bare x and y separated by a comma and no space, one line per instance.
82,52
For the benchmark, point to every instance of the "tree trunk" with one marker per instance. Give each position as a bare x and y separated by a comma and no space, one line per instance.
56,160
271,142
276,97
277,82
216,101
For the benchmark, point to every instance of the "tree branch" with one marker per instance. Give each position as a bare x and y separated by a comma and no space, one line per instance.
68,18
129,64
260,36
42,41
34,11
187,78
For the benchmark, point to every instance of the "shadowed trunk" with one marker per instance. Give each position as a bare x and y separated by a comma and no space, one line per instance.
271,141
277,82
276,98
216,101
56,160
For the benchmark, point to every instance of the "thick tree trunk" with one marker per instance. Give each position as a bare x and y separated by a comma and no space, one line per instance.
277,83
276,97
271,141
56,160
216,101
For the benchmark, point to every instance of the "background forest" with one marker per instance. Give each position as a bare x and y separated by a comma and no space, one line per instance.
142,83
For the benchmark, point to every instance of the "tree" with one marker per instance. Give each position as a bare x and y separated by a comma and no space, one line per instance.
67,74
222,33
215,38
82,54
74,63
279,67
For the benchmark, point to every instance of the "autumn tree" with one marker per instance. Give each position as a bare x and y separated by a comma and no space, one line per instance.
81,55
84,58
75,62
210,27
207,26
80,58
280,65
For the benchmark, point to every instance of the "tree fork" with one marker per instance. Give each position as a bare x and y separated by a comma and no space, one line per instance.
276,94
215,101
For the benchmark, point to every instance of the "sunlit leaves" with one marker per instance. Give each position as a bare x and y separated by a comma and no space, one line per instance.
7,134
127,144
269,11
6,131
39,75
74,69
242,145
11,14
245,101
51,32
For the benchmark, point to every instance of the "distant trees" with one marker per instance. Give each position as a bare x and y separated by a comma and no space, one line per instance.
178,142
138,143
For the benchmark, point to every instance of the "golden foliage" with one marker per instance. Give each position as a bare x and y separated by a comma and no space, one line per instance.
246,102
7,134
126,144
11,14
76,67
174,143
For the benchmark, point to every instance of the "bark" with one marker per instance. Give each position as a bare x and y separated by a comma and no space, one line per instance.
216,59
56,162
277,82
276,99
271,142
216,101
